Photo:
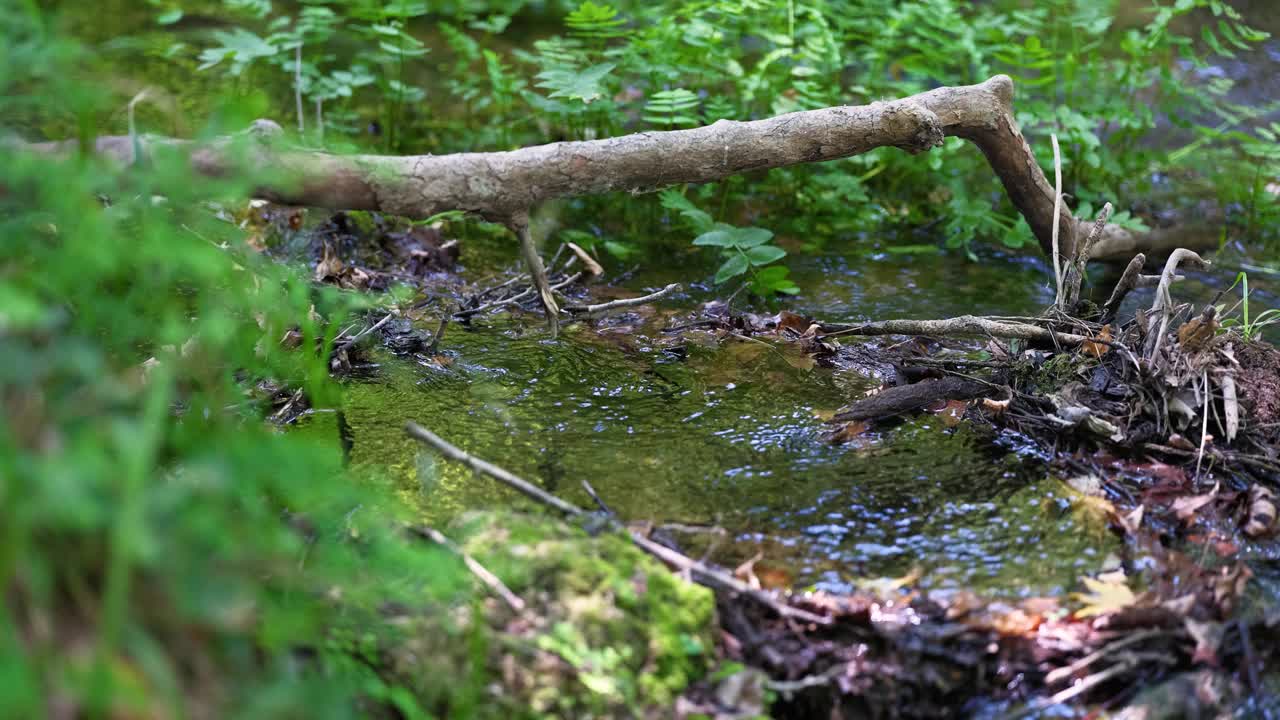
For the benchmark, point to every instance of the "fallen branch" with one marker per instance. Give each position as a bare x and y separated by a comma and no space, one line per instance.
1160,313
453,452
504,186
963,326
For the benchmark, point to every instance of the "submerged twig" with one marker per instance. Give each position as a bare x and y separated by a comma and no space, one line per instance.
705,575
453,452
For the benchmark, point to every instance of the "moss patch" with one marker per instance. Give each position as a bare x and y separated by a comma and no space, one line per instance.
607,631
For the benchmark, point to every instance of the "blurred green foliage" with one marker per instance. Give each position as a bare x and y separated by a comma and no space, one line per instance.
164,552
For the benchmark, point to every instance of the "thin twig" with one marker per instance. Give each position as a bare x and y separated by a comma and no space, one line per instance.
1128,281
520,224
456,454
601,308
1057,220
787,688
482,573
356,338
1160,307
438,335
1063,673
1083,251
708,576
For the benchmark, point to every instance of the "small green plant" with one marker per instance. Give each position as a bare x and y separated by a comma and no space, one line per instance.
1250,325
745,250
671,109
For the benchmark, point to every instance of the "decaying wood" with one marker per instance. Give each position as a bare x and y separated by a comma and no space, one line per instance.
504,186
908,398
1084,251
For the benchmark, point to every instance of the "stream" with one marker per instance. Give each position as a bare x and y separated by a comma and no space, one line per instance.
732,436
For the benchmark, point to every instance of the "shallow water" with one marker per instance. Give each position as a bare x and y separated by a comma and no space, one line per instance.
731,435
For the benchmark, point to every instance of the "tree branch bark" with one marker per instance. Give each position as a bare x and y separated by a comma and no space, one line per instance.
502,185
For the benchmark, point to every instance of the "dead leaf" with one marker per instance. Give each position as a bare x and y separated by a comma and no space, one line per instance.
330,265
1186,507
848,432
1229,585
593,267
1262,512
747,571
1098,349
1104,597
1131,522
797,324
1195,332
952,412
996,407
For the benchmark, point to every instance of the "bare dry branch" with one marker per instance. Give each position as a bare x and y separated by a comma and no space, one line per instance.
602,308
962,326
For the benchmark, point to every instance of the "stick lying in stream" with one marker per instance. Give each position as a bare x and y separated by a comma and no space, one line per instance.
701,573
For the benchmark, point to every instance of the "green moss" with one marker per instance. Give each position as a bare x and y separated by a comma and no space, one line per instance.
631,634
607,631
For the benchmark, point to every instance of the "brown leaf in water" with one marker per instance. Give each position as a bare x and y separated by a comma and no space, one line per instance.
849,431
952,412
1041,605
1230,585
1187,507
1262,512
1132,521
747,571
797,324
774,578
1017,623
